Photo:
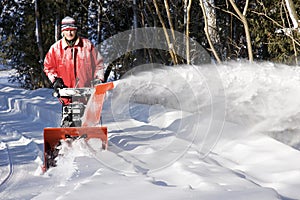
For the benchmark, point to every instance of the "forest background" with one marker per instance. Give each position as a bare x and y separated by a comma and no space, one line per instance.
254,30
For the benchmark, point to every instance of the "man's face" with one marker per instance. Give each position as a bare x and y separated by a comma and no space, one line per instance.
70,34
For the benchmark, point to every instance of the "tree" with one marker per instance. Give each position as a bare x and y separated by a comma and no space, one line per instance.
242,17
17,42
39,42
222,28
171,49
275,39
292,13
210,27
295,20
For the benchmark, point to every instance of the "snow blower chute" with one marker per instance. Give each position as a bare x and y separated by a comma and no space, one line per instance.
80,119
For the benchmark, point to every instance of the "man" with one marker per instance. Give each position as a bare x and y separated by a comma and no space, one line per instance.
73,61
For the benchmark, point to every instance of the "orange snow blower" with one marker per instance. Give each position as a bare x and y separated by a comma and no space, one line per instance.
80,119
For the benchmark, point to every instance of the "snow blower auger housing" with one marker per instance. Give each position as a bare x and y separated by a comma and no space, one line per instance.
80,119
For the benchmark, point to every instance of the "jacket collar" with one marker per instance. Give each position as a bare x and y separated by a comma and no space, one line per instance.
65,44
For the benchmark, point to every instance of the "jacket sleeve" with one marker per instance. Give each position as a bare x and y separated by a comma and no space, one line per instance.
98,60
50,67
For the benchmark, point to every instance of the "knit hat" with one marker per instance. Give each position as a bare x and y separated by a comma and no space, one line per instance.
68,24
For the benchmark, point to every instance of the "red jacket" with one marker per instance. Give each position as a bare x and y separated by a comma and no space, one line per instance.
77,65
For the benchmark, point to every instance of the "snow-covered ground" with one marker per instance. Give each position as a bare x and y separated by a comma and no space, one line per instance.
226,132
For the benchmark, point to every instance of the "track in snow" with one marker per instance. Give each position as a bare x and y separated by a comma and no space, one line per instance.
6,162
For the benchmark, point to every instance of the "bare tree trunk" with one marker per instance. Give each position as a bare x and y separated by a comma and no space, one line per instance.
171,27
39,42
185,14
187,32
57,34
169,19
57,26
292,13
99,23
171,47
38,30
242,17
211,20
135,22
208,33
138,53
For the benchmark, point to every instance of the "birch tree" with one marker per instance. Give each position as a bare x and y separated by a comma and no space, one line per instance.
210,12
295,20
292,13
210,26
188,5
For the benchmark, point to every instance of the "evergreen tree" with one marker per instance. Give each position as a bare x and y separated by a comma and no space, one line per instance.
18,42
273,34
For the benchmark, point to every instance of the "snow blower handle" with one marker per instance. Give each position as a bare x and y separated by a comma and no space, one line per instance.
57,85
65,92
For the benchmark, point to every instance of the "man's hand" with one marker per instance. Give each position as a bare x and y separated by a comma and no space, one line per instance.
58,84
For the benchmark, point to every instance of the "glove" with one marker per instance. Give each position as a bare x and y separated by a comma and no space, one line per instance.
58,84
